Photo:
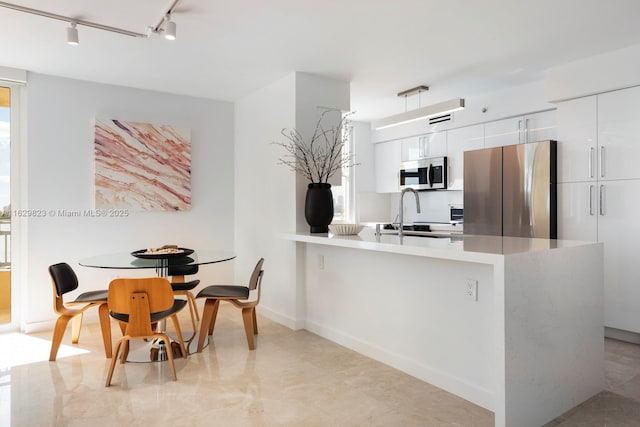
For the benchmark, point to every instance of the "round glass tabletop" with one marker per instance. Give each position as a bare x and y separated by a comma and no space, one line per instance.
124,260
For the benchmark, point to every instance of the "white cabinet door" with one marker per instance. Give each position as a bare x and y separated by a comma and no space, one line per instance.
388,166
578,211
619,134
458,141
540,126
424,146
502,132
435,144
412,148
619,228
577,140
517,130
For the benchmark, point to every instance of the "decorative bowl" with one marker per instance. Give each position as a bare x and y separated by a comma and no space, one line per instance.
346,229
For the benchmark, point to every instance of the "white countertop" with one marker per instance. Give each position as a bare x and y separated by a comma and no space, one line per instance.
480,249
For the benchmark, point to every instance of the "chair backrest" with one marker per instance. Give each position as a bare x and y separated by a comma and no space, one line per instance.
183,270
158,289
63,277
138,298
256,276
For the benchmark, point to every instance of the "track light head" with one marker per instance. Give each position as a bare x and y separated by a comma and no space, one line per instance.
72,34
169,28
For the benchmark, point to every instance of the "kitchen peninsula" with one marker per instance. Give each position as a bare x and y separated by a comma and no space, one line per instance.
514,325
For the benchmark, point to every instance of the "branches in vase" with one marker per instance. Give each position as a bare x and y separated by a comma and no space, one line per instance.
319,158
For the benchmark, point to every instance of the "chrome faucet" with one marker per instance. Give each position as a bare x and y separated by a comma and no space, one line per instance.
401,211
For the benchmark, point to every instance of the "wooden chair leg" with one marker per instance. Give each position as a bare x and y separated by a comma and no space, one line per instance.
192,311
255,321
176,325
194,305
114,359
169,354
207,312
247,317
214,315
76,325
105,326
58,333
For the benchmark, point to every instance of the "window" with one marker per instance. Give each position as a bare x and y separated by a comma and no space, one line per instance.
344,194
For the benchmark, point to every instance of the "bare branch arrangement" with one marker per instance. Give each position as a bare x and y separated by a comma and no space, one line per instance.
320,157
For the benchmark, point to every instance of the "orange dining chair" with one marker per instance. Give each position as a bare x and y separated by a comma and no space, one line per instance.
184,288
137,303
64,280
239,297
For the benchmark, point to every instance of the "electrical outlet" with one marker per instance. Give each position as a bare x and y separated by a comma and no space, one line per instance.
471,289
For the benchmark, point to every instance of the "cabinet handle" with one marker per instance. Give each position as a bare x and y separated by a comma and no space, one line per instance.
591,200
526,130
591,153
519,130
602,199
421,147
602,162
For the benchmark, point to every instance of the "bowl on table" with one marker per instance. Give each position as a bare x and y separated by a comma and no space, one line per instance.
345,229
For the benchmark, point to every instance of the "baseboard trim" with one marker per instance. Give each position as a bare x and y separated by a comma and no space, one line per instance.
621,335
479,396
280,318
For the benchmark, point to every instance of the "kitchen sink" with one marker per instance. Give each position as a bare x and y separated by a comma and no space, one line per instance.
431,234
421,230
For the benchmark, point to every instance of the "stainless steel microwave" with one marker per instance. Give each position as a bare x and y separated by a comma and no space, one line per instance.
424,174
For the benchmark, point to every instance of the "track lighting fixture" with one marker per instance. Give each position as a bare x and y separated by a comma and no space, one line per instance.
169,28
72,34
72,31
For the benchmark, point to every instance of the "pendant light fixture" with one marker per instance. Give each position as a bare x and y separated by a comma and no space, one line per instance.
420,113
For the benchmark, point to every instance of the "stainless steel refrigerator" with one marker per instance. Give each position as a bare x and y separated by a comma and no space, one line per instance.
511,190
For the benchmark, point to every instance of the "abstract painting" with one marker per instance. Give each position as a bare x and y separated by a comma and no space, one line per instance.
142,166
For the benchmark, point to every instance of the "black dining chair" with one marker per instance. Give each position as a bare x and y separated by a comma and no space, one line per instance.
64,280
239,297
184,288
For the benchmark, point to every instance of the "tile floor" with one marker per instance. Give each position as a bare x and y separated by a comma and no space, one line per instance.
294,378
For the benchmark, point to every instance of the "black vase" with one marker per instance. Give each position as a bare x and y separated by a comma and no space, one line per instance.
318,207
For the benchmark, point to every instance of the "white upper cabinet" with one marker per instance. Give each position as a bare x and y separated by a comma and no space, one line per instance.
518,130
412,148
577,140
435,144
540,126
424,146
619,134
387,169
502,132
458,141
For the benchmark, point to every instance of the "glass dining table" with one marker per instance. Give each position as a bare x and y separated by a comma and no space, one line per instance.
138,260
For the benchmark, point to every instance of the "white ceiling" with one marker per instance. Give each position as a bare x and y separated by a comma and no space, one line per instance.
226,49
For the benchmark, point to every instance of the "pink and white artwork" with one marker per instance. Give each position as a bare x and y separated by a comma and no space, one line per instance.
142,166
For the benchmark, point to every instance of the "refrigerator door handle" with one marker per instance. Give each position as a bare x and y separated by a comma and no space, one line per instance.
602,199
519,131
591,188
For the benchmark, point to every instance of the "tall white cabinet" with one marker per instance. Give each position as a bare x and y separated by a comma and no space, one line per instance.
599,145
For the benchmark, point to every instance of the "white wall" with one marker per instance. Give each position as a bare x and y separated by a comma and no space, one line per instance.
265,198
270,198
61,114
